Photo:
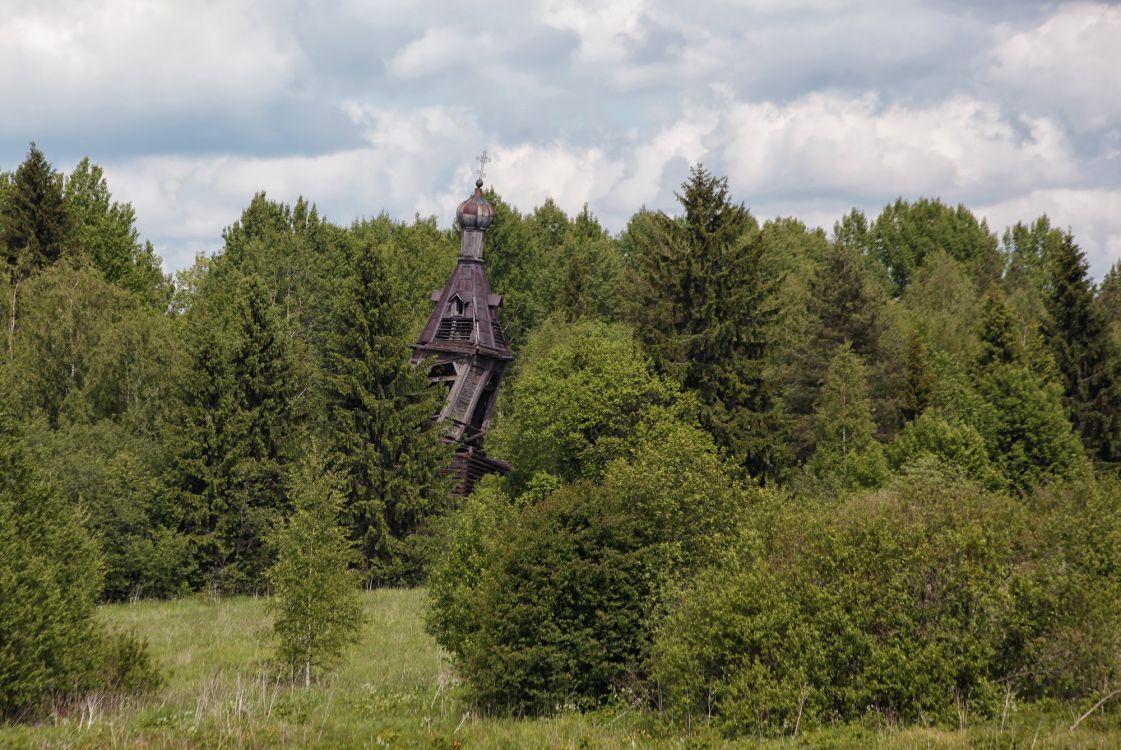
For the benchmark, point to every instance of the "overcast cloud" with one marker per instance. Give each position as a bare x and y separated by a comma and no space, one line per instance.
810,107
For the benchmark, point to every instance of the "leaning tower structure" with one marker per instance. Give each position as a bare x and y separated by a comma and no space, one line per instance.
466,347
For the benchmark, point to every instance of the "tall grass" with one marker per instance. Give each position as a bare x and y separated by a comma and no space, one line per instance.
396,690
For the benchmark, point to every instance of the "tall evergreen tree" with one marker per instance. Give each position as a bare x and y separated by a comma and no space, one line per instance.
379,414
1022,419
34,226
233,434
704,308
845,306
1078,336
50,575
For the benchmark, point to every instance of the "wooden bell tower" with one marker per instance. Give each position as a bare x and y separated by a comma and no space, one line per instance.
465,338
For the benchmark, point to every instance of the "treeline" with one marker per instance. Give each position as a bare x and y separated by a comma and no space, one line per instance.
761,473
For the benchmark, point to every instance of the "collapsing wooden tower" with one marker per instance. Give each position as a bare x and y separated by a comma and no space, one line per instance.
465,338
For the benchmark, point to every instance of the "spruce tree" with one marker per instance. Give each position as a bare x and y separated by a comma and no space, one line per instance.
233,431
34,226
1078,336
314,590
1025,426
918,379
379,416
704,308
845,307
50,576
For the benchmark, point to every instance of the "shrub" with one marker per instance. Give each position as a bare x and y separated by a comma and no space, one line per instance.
125,665
558,607
919,601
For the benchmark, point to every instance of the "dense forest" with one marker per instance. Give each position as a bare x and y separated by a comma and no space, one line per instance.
763,475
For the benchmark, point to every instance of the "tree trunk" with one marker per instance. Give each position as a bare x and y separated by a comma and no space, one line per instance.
12,318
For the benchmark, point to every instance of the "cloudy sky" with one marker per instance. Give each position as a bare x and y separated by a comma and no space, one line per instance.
810,107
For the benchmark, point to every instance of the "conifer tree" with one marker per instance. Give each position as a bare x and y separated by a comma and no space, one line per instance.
845,307
704,309
234,432
50,576
1025,426
1078,336
314,589
918,379
34,226
379,414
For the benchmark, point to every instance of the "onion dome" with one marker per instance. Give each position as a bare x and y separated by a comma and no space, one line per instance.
475,212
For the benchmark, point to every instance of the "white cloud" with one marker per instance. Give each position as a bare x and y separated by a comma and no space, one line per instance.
961,147
1070,62
121,58
437,49
603,26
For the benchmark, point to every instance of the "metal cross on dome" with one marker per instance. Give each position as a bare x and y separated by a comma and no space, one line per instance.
483,164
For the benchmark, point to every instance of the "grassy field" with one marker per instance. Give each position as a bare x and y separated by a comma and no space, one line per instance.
396,691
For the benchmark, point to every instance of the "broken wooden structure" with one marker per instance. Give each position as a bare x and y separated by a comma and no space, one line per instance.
467,348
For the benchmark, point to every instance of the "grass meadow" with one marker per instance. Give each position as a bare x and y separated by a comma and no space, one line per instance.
395,690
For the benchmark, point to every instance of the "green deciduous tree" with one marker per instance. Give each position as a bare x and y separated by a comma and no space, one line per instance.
379,417
315,603
105,230
579,392
907,233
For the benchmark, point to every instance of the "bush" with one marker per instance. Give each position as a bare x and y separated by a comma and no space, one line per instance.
125,665
917,602
557,607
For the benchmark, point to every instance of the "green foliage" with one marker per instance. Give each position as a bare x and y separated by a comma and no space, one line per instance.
315,592
50,575
116,478
704,308
105,231
561,608
125,664
379,420
463,544
930,600
232,431
905,234
86,350
956,447
580,391
1078,336
34,223
846,455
